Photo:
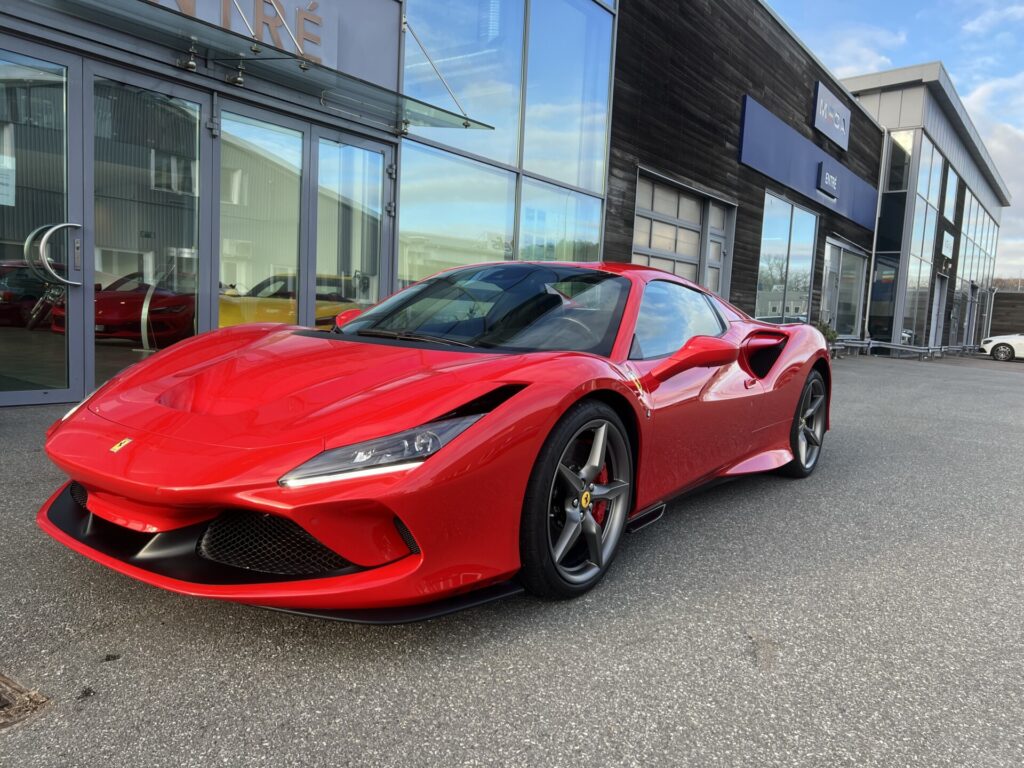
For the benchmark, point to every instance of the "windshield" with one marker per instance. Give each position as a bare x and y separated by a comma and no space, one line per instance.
516,307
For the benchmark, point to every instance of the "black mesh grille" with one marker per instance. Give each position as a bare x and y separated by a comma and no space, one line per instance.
268,544
407,537
79,495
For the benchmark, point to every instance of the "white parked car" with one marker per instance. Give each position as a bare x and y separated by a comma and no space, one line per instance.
1004,348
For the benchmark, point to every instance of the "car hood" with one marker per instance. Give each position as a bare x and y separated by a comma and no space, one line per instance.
259,386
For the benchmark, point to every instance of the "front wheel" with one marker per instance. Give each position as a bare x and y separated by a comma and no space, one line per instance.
808,431
576,503
1002,352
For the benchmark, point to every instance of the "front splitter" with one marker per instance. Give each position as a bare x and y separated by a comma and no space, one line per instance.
420,612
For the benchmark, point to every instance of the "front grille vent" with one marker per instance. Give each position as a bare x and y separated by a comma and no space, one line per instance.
407,537
267,544
79,495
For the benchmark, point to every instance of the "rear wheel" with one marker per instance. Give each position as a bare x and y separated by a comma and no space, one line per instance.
1002,352
576,503
808,431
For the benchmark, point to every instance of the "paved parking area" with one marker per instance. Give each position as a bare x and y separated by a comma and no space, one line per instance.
871,615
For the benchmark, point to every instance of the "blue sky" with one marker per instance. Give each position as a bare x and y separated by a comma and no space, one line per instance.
981,42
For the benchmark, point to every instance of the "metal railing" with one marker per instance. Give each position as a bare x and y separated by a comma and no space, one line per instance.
866,346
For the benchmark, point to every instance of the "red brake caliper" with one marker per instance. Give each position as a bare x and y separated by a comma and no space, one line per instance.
601,507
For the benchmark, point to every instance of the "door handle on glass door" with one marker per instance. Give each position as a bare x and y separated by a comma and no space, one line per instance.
44,257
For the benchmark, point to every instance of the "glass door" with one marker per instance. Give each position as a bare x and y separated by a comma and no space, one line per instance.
41,217
351,225
842,302
262,162
148,175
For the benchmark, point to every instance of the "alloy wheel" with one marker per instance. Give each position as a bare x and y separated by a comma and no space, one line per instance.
1002,353
588,501
811,426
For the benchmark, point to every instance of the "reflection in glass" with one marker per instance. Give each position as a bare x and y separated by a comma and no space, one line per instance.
901,149
883,296
771,276
33,192
350,200
801,267
478,47
261,172
454,212
559,225
670,315
567,89
952,187
851,281
147,222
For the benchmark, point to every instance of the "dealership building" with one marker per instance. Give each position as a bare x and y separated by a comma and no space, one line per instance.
174,166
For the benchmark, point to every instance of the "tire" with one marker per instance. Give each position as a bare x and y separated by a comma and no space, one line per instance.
39,314
577,501
1002,352
25,309
807,434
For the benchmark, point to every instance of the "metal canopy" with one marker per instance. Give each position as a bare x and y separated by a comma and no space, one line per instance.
196,39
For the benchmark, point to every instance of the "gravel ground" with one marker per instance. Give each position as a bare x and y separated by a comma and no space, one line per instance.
871,615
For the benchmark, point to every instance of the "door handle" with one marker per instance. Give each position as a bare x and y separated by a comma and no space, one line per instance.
44,257
27,251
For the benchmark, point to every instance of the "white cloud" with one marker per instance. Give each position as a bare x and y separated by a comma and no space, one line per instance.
994,17
858,50
997,108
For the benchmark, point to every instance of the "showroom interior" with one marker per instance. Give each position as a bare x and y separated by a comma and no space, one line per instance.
195,165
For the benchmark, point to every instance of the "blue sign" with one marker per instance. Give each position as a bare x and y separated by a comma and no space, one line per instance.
828,179
780,152
832,117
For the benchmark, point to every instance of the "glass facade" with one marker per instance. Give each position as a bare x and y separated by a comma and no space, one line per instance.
567,92
478,46
261,173
533,188
350,211
454,211
923,241
786,269
146,198
33,193
681,232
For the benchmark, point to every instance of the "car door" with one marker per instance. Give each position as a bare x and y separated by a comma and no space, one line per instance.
700,418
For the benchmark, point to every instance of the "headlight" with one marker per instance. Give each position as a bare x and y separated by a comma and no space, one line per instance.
986,341
74,410
395,453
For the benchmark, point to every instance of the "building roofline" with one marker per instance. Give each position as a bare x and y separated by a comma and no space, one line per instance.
934,76
836,80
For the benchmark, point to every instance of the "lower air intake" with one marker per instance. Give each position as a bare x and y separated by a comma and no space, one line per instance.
79,495
267,544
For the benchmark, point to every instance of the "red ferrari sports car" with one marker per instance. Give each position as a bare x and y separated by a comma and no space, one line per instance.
493,428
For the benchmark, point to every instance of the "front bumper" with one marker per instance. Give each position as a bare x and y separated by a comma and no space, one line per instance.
169,560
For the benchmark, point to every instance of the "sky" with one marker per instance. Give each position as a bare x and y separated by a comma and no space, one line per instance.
981,42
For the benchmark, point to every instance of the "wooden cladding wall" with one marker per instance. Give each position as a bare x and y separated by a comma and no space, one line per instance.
682,70
1008,315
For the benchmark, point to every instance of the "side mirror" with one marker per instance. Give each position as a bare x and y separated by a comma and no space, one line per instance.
698,352
346,317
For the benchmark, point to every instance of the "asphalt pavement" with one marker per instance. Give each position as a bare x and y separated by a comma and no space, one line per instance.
872,615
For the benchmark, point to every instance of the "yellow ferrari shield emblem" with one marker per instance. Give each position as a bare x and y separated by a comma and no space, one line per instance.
118,446
585,499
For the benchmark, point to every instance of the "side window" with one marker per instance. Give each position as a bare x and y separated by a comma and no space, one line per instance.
670,315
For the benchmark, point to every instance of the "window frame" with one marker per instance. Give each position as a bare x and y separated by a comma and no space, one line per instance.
706,233
784,305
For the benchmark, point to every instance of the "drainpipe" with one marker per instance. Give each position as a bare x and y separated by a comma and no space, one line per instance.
991,311
865,334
